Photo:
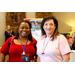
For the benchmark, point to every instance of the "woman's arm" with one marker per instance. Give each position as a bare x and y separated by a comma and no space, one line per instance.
64,49
66,57
38,59
2,57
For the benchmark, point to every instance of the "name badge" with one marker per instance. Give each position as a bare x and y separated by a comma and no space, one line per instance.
25,57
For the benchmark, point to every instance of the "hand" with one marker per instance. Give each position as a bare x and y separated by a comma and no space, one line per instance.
32,61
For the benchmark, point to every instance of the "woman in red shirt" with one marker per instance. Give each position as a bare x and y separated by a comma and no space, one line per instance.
22,48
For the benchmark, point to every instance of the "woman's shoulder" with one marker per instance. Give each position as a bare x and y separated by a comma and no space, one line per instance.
61,37
41,37
34,40
11,39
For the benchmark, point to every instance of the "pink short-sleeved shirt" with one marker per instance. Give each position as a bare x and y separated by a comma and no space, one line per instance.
54,50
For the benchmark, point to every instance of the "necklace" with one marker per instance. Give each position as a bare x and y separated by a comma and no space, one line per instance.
23,46
44,46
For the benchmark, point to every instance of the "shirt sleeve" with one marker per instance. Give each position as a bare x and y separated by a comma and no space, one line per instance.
5,47
64,46
34,41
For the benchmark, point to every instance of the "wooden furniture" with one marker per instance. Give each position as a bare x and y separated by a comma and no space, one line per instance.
42,14
14,18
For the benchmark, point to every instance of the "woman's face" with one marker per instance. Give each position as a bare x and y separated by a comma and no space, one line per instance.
8,28
24,29
67,36
49,27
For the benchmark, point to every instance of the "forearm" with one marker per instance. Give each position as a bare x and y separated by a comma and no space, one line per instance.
66,57
34,59
66,60
38,59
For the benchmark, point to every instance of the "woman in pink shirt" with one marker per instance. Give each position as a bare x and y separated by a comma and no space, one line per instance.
52,46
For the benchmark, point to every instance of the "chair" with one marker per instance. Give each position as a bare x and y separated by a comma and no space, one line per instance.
72,56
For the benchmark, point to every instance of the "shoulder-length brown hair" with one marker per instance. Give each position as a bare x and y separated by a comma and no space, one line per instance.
56,24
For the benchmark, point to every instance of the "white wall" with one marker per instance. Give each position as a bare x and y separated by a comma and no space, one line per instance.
2,28
63,17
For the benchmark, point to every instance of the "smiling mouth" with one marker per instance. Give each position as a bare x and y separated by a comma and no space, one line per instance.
49,29
24,32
